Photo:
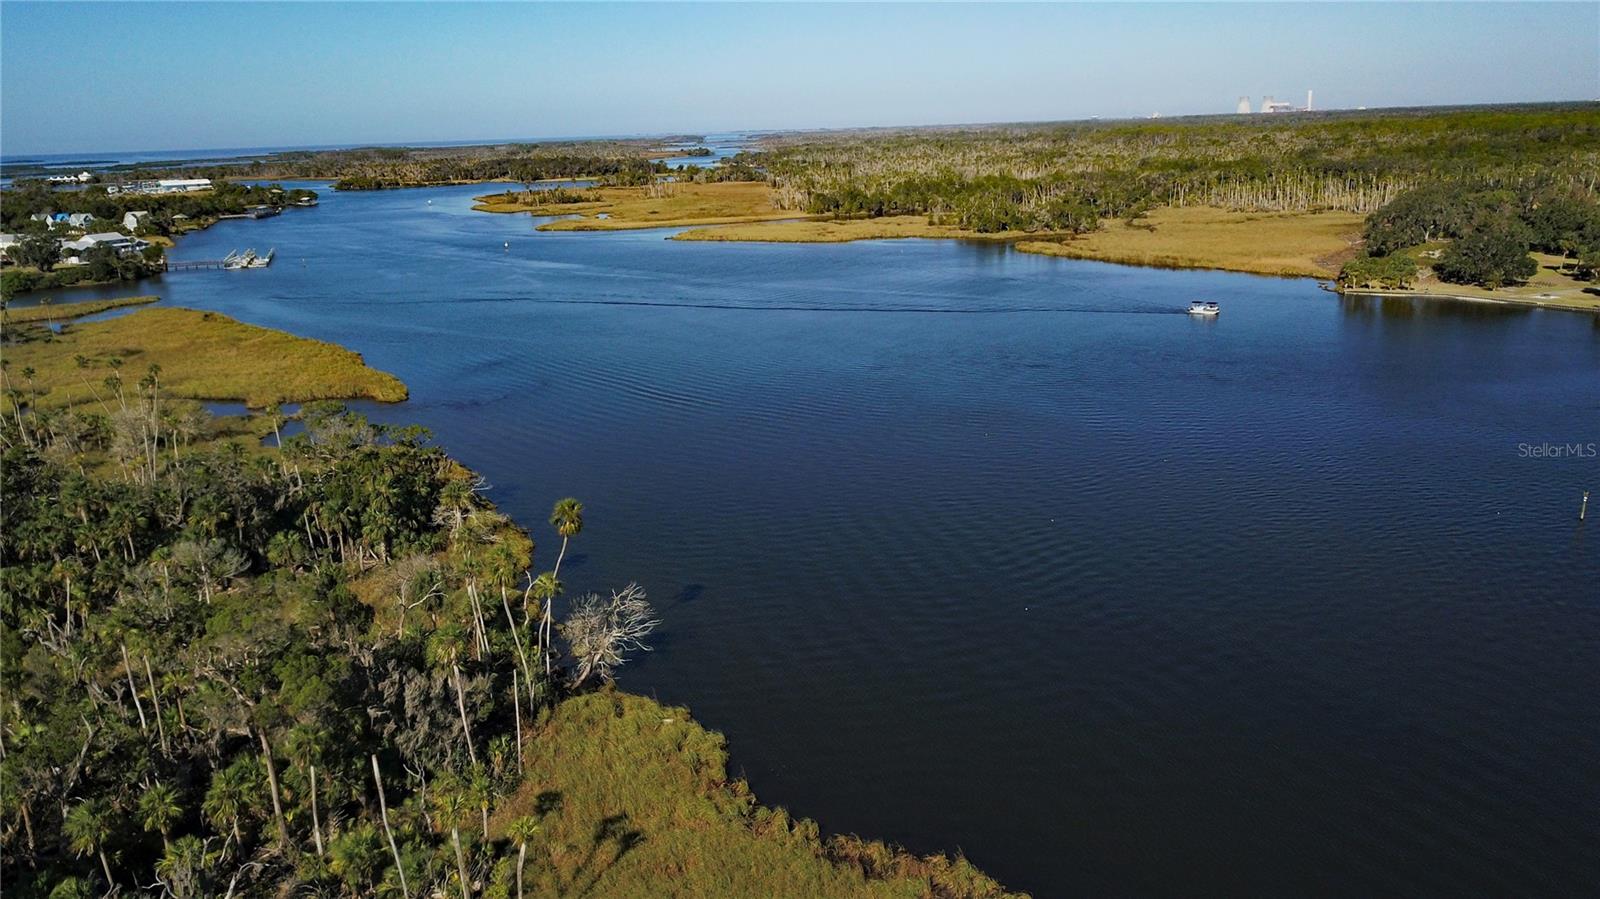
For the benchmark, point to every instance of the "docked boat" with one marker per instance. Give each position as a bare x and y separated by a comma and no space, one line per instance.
261,261
237,260
1204,307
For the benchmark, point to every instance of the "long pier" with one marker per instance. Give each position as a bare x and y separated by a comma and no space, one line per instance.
188,265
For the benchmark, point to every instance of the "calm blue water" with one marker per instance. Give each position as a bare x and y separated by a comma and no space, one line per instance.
970,549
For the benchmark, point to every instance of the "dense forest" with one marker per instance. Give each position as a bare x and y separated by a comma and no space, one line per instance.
1068,176
219,666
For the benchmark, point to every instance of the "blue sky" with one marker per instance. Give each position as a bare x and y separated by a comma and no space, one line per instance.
149,76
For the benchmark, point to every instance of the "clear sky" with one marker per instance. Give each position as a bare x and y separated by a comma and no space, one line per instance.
150,76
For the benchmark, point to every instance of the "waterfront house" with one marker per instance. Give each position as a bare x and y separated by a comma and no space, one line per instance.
133,220
121,243
80,219
40,217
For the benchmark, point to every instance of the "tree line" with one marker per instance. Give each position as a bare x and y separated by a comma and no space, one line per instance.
310,669
1069,176
24,200
1482,233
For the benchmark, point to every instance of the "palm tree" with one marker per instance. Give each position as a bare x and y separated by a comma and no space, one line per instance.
228,798
522,831
449,803
446,648
480,789
567,518
184,867
159,810
86,827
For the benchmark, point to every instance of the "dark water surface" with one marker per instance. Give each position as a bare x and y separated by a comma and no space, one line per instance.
970,549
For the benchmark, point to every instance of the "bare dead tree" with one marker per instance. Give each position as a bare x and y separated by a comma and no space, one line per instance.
601,632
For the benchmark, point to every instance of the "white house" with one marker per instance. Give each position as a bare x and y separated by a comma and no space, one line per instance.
80,219
133,220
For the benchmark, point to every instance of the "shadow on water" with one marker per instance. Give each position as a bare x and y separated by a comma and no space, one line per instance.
1393,307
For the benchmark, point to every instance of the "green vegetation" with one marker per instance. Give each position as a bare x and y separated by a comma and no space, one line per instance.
101,265
50,312
1065,177
1482,232
1393,272
201,355
169,213
325,667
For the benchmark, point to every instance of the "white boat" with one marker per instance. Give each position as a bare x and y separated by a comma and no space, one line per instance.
261,261
1204,307
237,260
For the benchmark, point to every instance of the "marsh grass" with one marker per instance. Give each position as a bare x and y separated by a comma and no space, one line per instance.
633,799
1310,244
203,356
51,312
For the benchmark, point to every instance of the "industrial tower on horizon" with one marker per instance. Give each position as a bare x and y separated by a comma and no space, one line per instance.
1271,104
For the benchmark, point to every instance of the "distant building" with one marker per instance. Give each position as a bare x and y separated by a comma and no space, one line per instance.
40,217
183,185
1269,104
80,178
165,186
1244,106
80,219
133,220
7,241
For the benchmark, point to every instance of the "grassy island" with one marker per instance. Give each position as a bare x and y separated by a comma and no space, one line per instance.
662,205
202,355
47,312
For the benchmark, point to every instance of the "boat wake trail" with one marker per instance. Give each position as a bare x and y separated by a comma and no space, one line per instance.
829,307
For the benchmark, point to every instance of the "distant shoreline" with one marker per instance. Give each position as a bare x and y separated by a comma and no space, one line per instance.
1529,302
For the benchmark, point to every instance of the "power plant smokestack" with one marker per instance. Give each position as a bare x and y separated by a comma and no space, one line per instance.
1308,99
1244,106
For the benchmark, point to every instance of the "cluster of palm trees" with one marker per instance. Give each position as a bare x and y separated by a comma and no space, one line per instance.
311,668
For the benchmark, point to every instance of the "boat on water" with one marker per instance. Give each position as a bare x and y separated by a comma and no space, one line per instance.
261,261
237,260
1204,307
